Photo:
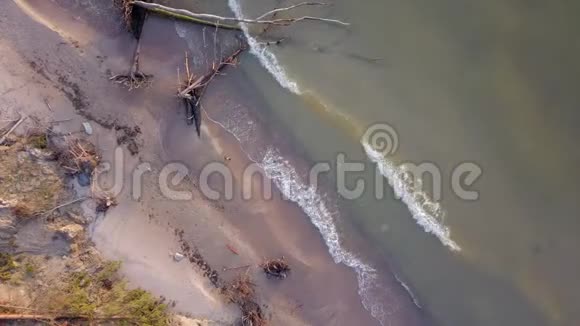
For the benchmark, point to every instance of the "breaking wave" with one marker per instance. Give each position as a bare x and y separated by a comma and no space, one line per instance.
286,178
266,57
427,213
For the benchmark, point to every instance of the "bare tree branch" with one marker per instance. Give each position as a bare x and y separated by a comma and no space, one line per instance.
186,13
3,138
271,12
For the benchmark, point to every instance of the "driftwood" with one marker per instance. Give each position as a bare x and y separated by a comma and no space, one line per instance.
221,20
18,123
192,90
194,87
242,293
50,315
50,211
191,19
48,318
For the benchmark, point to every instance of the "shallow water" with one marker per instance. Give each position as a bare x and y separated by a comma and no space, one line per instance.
490,83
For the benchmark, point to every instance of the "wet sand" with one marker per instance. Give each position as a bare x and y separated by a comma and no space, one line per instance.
83,51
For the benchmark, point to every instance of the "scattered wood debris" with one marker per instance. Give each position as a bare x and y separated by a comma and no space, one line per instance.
192,254
104,202
277,268
80,157
18,123
191,90
242,293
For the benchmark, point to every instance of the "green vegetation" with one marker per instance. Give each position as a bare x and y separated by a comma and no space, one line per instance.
7,267
138,305
104,294
30,268
109,271
38,141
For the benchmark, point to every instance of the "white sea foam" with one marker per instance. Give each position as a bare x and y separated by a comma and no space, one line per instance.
409,291
266,57
313,204
426,212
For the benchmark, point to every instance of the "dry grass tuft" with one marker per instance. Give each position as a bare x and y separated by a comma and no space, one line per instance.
81,156
29,184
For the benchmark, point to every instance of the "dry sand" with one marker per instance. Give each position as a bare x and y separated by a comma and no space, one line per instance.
51,55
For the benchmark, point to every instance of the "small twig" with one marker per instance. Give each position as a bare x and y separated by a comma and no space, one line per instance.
12,129
64,205
215,42
225,269
232,249
187,67
48,105
268,43
59,121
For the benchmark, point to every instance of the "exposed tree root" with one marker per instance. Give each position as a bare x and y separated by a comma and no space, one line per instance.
135,78
135,20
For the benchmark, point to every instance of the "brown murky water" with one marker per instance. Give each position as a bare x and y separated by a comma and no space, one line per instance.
486,82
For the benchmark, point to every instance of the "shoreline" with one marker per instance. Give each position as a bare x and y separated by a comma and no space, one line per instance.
141,233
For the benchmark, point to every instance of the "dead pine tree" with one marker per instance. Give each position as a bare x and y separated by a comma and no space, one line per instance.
135,18
192,89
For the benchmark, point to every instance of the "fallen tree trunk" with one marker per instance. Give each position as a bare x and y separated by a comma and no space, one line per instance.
22,317
220,21
192,91
205,79
193,19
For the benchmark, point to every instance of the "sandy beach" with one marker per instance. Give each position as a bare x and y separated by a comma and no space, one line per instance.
52,54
